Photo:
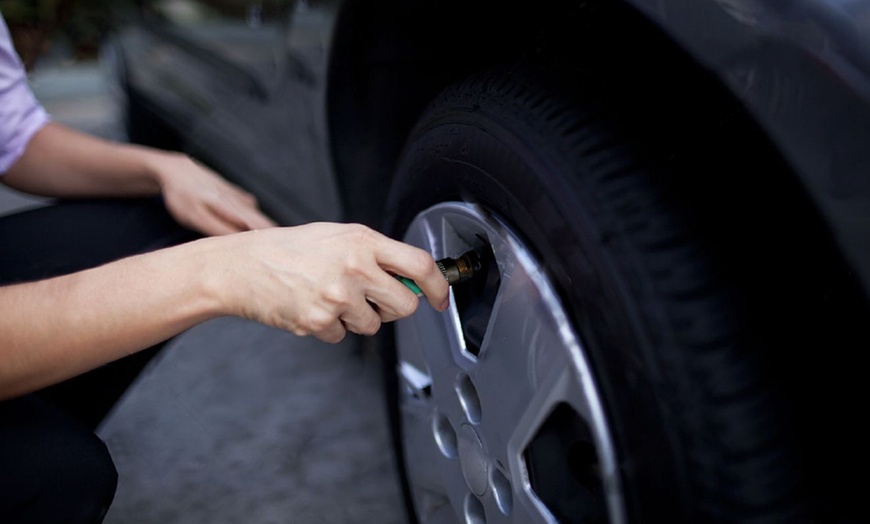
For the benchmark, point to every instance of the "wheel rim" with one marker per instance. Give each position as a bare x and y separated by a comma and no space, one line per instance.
499,411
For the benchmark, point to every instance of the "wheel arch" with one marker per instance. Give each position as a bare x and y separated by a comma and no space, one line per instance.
389,59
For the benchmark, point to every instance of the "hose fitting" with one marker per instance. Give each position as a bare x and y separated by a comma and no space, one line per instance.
461,268
454,270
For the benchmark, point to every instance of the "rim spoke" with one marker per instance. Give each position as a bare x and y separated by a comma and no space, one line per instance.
521,352
424,342
426,360
423,457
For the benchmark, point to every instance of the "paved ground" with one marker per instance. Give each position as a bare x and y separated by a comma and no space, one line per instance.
236,422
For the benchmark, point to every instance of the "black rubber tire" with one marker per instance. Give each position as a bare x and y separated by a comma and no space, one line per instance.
693,415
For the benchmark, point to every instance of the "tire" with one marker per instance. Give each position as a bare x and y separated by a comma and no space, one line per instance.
596,370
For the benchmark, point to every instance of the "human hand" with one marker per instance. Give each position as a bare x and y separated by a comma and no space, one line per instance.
323,279
200,199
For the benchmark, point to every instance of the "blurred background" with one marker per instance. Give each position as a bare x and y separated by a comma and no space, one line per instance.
59,43
69,28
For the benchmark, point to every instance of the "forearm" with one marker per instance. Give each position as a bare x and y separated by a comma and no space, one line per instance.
57,328
62,162
319,279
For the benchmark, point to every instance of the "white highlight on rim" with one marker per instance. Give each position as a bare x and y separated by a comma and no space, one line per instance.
416,379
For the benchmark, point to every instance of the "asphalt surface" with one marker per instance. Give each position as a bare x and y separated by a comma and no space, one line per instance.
236,422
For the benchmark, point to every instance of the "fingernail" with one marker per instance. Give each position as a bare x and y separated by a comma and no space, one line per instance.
444,304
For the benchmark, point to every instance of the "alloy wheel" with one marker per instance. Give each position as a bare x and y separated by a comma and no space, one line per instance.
501,418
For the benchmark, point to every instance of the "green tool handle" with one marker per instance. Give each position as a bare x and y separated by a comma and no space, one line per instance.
410,284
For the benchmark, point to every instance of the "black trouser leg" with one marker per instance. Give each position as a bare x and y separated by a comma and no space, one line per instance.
52,467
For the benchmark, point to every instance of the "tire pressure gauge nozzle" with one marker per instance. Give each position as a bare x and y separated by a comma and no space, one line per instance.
455,270
461,268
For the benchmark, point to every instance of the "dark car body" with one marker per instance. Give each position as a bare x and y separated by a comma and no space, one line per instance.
777,91
800,68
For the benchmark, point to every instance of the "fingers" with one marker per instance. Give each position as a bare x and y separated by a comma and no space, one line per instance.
201,200
418,265
325,279
246,209
235,216
362,319
392,298
201,218
214,226
311,320
332,334
224,214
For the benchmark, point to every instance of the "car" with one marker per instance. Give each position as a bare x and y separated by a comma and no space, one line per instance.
670,199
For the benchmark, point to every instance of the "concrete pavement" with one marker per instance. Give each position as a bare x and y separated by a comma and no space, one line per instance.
242,424
236,422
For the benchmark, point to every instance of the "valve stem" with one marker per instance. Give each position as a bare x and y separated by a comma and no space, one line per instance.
455,270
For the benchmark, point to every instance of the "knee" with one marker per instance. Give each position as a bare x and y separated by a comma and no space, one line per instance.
68,477
83,485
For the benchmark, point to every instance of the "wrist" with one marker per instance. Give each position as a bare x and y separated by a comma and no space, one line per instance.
215,274
158,166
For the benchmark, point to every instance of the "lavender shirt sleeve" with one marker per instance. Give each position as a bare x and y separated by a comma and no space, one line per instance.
21,115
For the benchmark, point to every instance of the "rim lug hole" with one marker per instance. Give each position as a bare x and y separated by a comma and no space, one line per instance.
501,488
445,435
468,398
473,510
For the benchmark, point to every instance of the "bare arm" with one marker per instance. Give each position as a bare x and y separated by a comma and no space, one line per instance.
319,279
58,328
63,162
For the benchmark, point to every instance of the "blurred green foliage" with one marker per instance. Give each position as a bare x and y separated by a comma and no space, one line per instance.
37,24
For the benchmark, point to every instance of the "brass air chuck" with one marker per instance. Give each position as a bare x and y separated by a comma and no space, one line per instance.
461,268
455,270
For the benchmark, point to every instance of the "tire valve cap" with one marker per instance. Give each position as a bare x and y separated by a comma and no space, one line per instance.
455,270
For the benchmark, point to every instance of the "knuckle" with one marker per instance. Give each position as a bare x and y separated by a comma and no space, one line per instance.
361,233
372,326
316,321
298,330
354,264
332,336
296,326
337,296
